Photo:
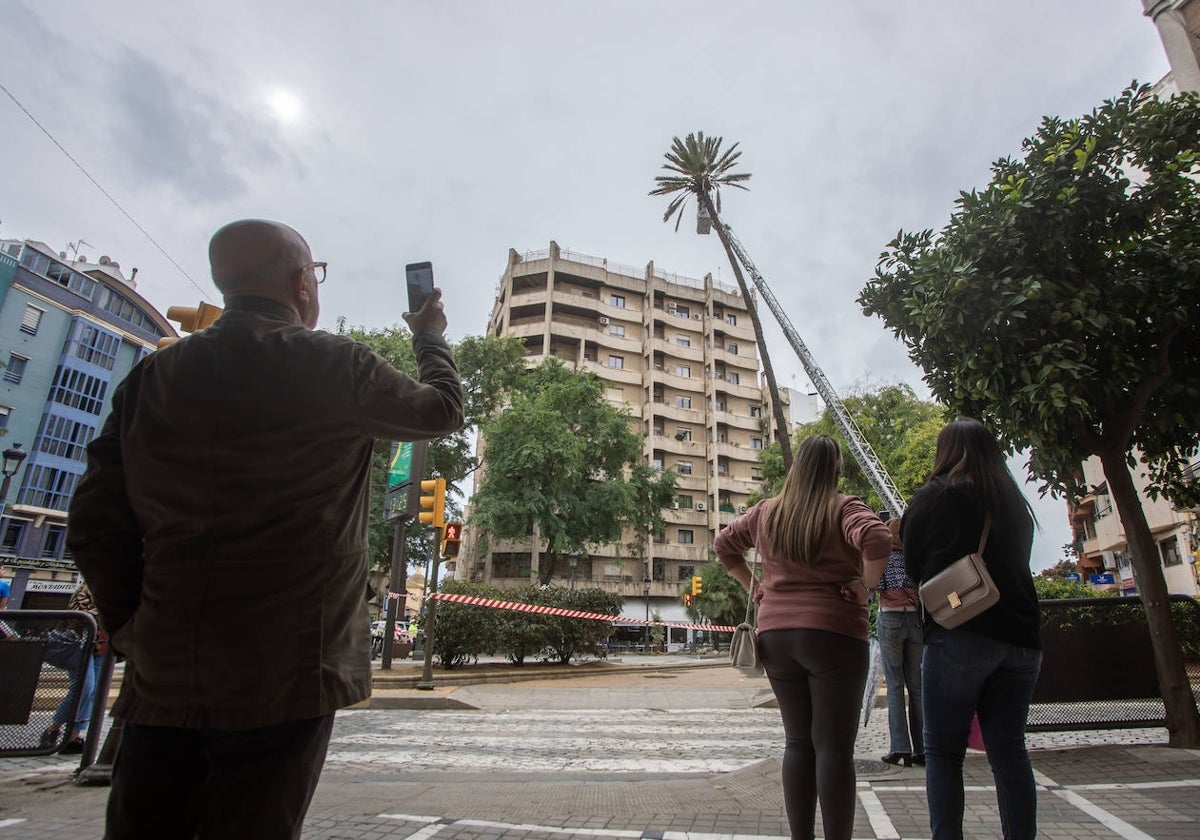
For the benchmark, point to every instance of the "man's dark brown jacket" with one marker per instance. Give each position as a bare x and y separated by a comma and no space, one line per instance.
222,521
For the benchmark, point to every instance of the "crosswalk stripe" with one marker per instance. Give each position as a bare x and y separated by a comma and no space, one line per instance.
1107,819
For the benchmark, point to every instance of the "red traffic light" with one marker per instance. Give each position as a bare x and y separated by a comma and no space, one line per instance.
453,531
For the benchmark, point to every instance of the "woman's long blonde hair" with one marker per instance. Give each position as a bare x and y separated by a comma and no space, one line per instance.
799,520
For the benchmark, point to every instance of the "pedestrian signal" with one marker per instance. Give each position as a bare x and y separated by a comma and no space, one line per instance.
190,319
687,599
697,585
433,503
451,539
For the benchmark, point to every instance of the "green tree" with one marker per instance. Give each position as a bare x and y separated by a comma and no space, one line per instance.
562,458
901,428
1061,305
722,599
489,367
1054,588
700,169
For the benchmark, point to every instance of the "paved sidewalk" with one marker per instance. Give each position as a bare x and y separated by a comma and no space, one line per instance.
1093,785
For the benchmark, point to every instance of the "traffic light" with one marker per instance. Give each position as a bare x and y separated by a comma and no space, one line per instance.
451,539
687,599
697,585
433,503
190,319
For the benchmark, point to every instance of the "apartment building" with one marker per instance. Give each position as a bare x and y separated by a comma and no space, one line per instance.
1104,551
71,329
679,354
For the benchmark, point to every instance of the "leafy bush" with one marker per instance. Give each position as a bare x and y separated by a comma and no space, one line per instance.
463,631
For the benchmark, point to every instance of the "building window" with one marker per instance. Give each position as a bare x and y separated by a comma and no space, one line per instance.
682,312
657,463
731,319
756,411
683,370
76,389
686,572
617,301
98,347
683,502
617,330
723,467
1169,549
658,430
756,473
48,487
683,433
683,341
734,379
732,348
720,405
617,362
683,467
65,438
686,537
13,530
1123,560
54,541
15,369
32,319
683,402
756,443
4,412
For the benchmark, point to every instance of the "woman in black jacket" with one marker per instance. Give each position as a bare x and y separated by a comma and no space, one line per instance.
988,665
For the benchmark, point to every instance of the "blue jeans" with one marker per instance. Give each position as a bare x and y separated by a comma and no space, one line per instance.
91,675
966,674
900,643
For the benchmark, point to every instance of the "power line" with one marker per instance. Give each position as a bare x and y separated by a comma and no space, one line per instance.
105,192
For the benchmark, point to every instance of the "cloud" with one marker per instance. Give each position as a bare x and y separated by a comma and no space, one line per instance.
166,131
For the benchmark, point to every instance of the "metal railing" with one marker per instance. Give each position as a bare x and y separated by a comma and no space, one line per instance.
44,655
1098,667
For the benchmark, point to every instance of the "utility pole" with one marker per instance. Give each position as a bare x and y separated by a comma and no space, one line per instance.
401,505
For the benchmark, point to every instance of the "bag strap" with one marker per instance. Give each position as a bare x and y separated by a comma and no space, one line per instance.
987,526
750,592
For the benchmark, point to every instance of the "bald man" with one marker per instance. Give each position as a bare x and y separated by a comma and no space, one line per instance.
221,525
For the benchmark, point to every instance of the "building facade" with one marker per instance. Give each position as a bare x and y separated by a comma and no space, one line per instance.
1104,551
70,330
1178,24
679,354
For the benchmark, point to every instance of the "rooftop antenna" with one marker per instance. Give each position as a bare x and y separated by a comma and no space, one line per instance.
74,246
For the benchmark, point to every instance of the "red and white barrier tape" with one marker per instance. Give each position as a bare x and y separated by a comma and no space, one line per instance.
476,601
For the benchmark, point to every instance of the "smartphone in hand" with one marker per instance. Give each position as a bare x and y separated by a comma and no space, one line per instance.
420,284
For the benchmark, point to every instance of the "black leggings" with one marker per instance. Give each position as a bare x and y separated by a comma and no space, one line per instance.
818,678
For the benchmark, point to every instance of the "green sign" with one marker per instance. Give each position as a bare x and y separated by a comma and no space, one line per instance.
400,469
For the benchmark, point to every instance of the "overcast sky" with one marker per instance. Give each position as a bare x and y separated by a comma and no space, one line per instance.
391,132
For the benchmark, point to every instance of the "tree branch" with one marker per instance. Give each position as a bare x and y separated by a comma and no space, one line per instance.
1119,433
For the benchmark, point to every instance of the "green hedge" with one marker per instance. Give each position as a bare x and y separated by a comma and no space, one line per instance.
463,632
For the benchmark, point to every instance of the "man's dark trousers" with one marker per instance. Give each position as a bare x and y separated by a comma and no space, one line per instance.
195,784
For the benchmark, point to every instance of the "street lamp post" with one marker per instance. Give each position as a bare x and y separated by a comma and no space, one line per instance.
12,460
13,457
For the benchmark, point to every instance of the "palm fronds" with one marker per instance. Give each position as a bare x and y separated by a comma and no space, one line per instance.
700,167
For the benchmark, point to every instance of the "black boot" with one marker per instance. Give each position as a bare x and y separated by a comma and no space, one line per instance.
904,759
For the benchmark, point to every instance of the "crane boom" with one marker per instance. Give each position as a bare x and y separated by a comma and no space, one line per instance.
880,481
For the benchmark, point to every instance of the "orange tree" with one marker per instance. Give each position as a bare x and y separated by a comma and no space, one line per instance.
1061,305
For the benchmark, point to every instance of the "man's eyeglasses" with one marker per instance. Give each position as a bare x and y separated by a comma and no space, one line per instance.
318,270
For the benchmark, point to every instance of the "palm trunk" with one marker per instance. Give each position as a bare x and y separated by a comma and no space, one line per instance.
782,433
1183,722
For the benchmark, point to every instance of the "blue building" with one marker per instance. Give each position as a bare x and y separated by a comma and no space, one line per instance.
70,331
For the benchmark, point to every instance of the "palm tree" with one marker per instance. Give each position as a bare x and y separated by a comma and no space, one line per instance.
700,168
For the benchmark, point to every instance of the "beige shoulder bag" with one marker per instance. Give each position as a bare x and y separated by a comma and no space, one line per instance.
962,590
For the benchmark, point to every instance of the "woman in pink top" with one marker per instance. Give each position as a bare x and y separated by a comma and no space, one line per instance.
822,553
